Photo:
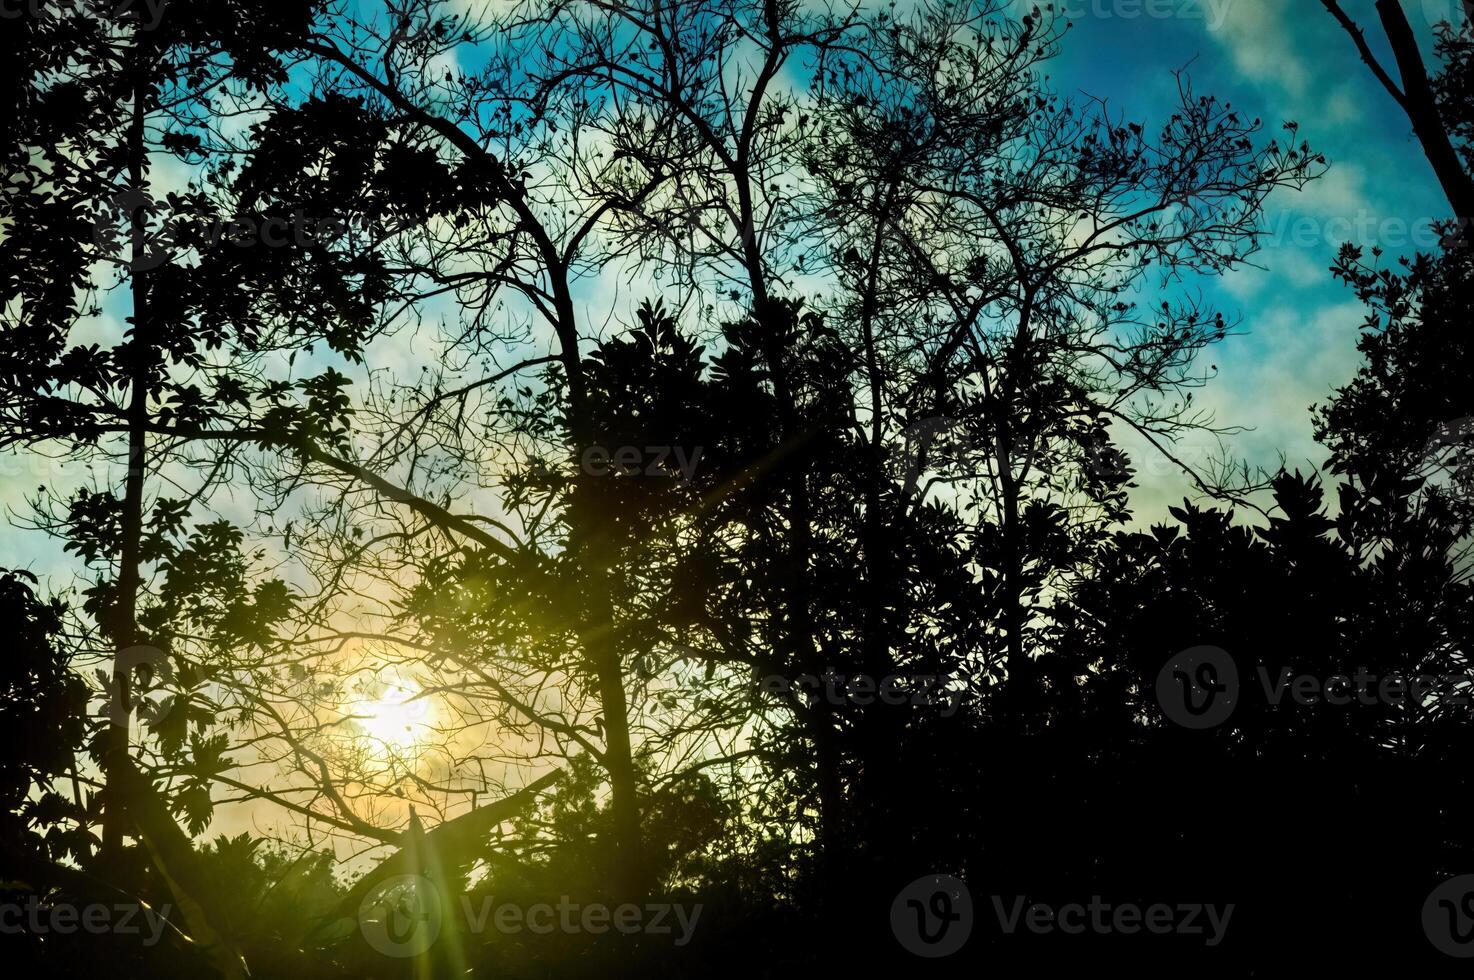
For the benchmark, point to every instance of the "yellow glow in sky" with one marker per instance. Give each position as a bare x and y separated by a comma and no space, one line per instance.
398,717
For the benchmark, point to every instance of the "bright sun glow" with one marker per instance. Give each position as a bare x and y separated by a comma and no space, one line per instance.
396,717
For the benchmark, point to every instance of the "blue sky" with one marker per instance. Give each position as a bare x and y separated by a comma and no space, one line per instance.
1278,60
1274,59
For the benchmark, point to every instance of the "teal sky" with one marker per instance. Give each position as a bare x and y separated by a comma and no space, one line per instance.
1275,59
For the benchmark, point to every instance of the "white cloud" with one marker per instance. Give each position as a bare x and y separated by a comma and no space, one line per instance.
1262,39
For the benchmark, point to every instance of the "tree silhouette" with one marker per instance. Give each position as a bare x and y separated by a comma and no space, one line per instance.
677,456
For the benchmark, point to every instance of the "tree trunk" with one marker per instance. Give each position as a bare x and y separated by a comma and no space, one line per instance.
589,518
1422,111
123,626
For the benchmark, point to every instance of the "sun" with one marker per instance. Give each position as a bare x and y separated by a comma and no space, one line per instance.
399,717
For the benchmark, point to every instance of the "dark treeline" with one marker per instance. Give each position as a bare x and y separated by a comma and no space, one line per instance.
725,413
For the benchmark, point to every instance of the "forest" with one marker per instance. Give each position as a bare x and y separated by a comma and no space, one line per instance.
682,488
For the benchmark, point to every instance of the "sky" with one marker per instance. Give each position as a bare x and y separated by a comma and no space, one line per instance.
1273,59
1277,60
